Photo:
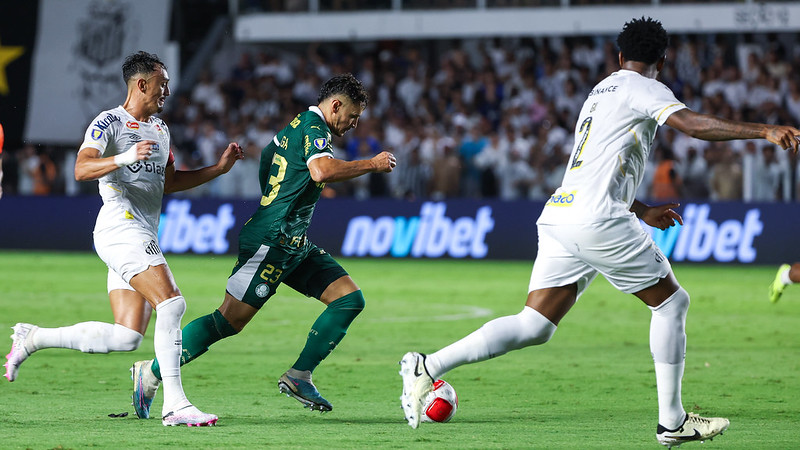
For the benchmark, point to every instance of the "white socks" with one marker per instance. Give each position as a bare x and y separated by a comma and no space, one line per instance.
668,346
167,342
494,338
88,337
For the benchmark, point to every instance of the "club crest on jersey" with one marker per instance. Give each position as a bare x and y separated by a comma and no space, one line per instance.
132,125
97,134
320,143
159,129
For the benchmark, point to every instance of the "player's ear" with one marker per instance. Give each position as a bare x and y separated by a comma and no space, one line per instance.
335,104
141,83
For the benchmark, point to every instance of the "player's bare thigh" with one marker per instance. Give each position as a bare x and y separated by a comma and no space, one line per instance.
338,289
156,284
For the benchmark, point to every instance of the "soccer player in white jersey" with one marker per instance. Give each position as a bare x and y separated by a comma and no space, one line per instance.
590,225
128,150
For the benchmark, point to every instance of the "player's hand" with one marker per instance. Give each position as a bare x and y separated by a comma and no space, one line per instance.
788,138
662,216
229,157
140,151
384,162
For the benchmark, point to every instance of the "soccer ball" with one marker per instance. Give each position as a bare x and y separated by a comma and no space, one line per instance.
441,403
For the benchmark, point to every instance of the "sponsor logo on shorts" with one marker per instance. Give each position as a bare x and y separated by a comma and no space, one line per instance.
151,248
132,125
262,290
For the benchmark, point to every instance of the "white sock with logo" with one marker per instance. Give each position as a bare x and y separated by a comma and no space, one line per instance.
668,346
494,338
88,337
168,345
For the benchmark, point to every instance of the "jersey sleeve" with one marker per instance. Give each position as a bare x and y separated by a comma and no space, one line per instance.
656,101
96,136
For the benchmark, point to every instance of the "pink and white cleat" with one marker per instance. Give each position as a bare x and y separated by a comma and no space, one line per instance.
189,416
19,350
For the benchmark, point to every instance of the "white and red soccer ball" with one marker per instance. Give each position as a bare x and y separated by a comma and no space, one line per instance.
441,403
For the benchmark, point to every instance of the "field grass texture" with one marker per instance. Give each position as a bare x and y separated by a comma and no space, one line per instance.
591,386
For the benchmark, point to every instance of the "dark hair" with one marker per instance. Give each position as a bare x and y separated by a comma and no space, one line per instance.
347,85
643,40
140,63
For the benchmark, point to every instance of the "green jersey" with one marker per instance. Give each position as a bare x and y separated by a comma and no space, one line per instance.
288,192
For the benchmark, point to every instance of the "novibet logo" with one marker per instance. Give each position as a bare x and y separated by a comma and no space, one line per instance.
431,234
701,238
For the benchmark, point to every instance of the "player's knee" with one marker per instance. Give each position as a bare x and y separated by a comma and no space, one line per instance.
676,305
124,339
353,301
538,328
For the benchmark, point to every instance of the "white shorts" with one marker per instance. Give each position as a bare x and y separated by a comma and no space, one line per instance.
127,252
618,248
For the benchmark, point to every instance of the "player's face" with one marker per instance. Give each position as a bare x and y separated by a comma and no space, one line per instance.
346,117
157,89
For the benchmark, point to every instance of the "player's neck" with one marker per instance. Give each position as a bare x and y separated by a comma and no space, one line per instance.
137,110
644,69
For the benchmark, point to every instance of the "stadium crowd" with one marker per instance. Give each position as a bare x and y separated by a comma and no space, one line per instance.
490,118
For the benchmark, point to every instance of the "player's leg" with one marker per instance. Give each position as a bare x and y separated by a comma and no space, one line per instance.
157,285
131,314
786,275
629,259
321,277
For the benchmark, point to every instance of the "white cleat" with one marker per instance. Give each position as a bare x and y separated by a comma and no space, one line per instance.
19,349
417,384
189,416
694,428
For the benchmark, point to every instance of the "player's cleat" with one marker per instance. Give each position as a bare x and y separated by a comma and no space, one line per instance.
189,416
145,385
694,428
777,286
304,392
417,384
19,349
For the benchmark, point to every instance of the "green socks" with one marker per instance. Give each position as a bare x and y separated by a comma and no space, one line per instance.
198,335
329,330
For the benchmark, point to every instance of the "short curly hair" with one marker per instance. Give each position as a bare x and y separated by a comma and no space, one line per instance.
347,85
140,63
643,40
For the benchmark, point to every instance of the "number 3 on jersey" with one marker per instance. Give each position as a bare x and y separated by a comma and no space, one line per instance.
275,180
584,130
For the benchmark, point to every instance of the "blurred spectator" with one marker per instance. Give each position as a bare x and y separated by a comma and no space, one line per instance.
413,177
667,184
446,172
762,173
726,174
515,177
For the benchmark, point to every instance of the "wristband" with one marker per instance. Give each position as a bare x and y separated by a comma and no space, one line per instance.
127,158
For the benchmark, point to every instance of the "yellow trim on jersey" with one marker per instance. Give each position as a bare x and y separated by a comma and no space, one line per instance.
658,119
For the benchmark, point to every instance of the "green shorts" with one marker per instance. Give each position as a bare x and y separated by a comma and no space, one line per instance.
257,274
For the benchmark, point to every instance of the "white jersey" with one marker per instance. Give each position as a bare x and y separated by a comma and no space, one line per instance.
615,129
131,194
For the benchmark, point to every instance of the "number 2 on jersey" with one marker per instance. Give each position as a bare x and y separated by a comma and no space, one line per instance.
275,180
584,129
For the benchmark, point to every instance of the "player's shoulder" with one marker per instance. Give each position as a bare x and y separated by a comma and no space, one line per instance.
109,117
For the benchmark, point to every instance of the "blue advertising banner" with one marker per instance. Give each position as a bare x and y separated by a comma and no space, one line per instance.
741,233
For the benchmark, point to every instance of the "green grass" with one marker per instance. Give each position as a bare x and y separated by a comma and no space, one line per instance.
591,386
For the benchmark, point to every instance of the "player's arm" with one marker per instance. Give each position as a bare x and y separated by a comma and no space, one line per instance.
712,128
181,180
330,169
90,165
659,216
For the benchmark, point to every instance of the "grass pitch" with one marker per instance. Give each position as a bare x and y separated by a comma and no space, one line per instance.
591,386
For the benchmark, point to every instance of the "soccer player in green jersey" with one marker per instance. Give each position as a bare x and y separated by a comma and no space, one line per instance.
274,250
